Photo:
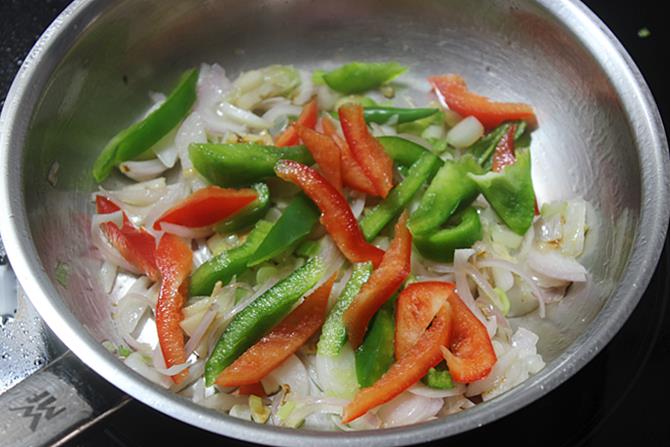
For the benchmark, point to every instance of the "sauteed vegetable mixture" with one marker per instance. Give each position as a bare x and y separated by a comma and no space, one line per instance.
318,249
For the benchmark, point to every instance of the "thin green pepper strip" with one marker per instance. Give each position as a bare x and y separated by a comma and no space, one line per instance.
228,263
510,192
382,115
333,332
358,77
402,151
239,164
450,189
295,223
375,355
242,163
378,217
248,215
140,137
440,245
261,315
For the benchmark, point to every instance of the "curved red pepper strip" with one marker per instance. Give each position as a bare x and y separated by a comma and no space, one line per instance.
308,117
383,283
406,371
135,245
504,153
368,152
207,206
326,154
416,307
352,174
174,260
470,355
336,214
454,91
282,341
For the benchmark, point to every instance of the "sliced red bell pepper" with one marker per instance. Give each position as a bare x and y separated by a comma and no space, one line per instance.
504,153
174,260
406,371
417,305
352,174
308,117
281,342
137,246
453,89
336,214
325,152
383,283
207,206
470,355
367,151
105,206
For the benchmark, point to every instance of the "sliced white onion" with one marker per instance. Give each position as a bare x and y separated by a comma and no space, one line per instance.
135,362
199,333
517,270
168,153
137,346
186,232
422,390
108,273
337,375
242,116
140,194
306,89
174,369
202,254
223,401
129,312
461,257
142,170
465,133
282,109
574,228
212,83
291,372
552,264
408,408
192,130
326,97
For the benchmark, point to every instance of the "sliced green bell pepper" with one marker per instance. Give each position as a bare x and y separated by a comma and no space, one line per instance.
438,378
381,115
242,163
255,320
294,224
228,263
378,217
450,189
141,136
333,332
510,192
248,215
358,77
441,244
402,151
375,355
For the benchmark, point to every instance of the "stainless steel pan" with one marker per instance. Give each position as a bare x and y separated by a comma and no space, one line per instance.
600,137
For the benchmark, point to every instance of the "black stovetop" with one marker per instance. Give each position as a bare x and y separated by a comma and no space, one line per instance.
619,398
